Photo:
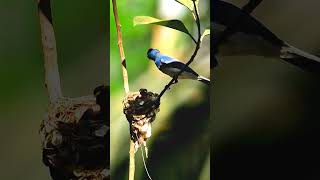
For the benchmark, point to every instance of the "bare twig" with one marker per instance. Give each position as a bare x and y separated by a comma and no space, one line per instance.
174,79
122,56
125,83
131,163
52,77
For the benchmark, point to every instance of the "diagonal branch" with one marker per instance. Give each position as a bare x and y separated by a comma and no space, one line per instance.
174,79
248,8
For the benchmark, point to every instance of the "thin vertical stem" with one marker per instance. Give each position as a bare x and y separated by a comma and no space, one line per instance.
120,45
52,77
131,162
125,83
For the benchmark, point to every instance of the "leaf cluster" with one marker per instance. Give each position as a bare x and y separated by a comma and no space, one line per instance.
174,23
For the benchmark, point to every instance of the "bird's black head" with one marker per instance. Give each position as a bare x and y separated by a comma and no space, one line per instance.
152,53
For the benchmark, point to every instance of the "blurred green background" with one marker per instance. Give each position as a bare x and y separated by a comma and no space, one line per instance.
266,112
179,145
81,33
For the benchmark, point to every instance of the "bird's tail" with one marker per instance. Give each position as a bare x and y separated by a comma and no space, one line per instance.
301,59
204,80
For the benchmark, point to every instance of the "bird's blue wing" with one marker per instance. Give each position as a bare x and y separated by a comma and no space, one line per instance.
178,66
172,63
167,59
162,59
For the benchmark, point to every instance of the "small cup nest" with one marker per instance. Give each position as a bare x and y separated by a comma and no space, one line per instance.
75,138
140,109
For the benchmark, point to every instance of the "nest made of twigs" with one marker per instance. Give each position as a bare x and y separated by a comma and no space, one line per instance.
140,109
75,137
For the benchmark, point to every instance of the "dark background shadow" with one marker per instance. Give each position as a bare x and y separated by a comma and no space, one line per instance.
266,112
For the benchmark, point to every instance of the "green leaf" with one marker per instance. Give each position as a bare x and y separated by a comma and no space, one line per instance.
174,24
205,33
190,6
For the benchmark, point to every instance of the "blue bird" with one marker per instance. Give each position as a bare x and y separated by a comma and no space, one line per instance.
171,66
